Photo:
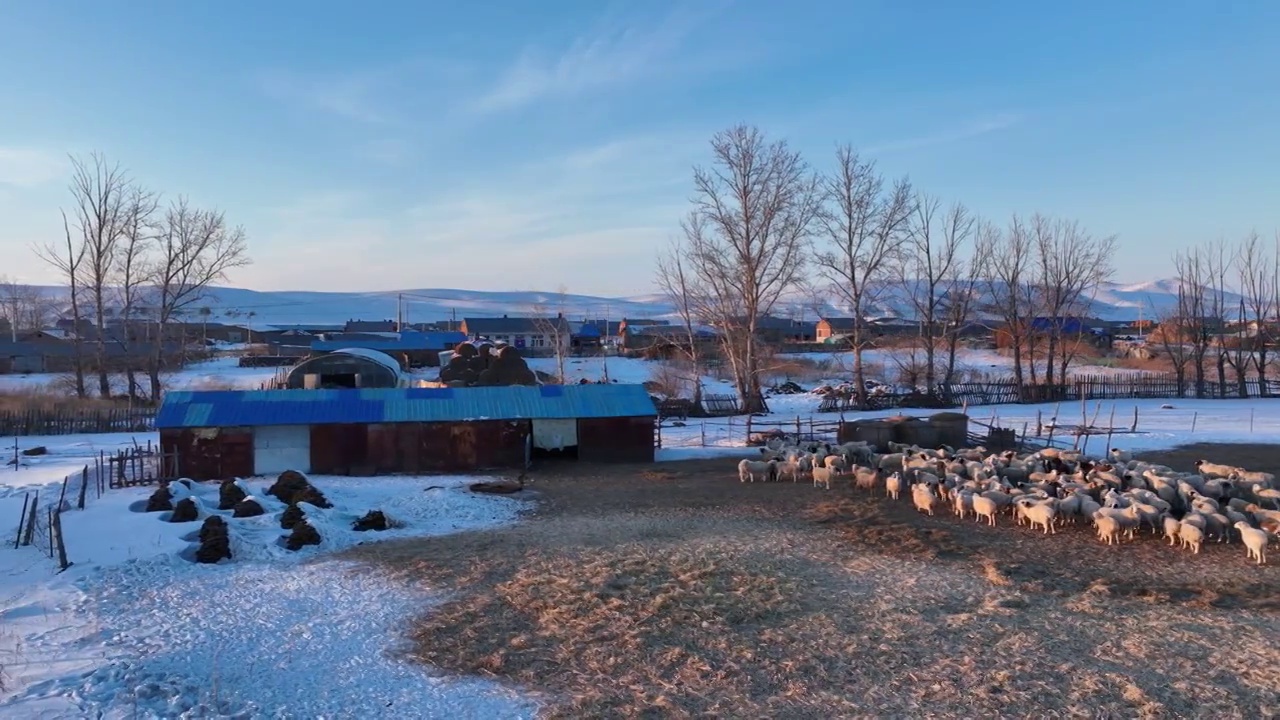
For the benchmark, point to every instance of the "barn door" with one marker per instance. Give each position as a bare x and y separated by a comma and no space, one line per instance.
464,445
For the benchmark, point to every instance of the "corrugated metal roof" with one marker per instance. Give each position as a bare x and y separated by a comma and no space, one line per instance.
234,408
406,341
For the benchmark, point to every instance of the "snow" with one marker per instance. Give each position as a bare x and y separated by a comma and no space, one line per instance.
223,373
1214,421
135,628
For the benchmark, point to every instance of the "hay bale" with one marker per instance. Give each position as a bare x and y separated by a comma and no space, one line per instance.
230,494
161,499
288,486
37,450
303,534
247,508
291,516
373,520
507,368
215,541
185,511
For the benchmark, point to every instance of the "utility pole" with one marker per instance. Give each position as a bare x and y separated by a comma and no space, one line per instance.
400,312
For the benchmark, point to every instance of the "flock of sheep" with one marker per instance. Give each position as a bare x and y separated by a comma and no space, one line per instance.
1047,489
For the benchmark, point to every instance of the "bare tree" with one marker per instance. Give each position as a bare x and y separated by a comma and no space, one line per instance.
673,281
1010,291
1072,264
68,260
961,293
555,328
100,193
1258,287
1191,313
131,273
745,242
25,307
864,226
194,249
933,249
1217,265
1178,330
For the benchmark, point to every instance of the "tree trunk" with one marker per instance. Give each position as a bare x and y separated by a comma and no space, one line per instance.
859,369
78,343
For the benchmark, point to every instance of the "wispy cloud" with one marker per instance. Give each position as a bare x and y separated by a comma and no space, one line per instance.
615,52
352,96
973,129
28,167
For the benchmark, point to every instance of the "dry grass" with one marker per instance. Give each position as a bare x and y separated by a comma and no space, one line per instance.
692,594
51,400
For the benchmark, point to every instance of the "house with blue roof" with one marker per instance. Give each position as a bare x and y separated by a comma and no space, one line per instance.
409,348
226,434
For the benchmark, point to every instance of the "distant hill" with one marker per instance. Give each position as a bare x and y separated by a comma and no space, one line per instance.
1114,302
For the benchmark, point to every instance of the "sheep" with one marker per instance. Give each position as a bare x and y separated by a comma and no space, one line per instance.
823,476
1255,542
1171,529
891,462
1040,514
1191,536
962,504
985,508
749,469
791,468
1120,456
924,498
866,478
1108,529
1253,476
1214,470
893,485
835,462
1268,494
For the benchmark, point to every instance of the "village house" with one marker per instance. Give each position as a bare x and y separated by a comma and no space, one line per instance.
830,330
530,335
410,349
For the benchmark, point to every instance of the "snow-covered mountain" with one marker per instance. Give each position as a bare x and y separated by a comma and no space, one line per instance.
1114,301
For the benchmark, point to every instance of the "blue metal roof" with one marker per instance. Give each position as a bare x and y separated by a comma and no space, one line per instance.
239,408
407,341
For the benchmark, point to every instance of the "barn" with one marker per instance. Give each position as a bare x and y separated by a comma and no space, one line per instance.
347,368
225,434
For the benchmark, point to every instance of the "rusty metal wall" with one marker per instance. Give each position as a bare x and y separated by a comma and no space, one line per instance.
340,450
615,439
210,453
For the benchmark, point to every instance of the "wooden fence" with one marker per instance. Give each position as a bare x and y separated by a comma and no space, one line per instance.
1079,387
73,421
40,525
738,431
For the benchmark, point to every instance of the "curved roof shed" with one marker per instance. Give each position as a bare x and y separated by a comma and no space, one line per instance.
347,368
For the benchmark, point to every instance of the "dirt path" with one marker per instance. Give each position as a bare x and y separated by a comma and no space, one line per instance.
674,590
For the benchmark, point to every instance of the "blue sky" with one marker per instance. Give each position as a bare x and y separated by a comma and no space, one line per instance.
525,145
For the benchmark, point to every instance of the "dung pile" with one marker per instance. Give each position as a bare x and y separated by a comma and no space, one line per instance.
471,366
247,508
160,500
291,516
230,494
373,520
215,543
185,511
303,534
292,487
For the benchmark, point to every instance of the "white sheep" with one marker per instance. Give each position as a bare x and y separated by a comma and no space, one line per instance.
749,469
835,462
893,485
792,468
1120,456
1171,529
962,504
1191,536
1214,470
823,476
1108,529
1255,542
1268,494
924,498
985,508
866,478
1039,514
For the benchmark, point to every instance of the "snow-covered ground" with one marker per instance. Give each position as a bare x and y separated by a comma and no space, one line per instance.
135,628
222,373
882,364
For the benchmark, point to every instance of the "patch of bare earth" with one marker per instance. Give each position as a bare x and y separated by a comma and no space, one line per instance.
631,593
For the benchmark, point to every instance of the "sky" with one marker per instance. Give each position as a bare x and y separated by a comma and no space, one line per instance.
531,145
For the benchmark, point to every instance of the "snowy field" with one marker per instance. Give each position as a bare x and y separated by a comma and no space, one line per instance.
135,628
221,373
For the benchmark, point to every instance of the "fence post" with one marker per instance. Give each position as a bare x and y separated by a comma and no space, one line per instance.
704,433
1134,427
22,521
84,486
798,434
31,521
1251,420
63,496
1194,416
748,430
56,528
